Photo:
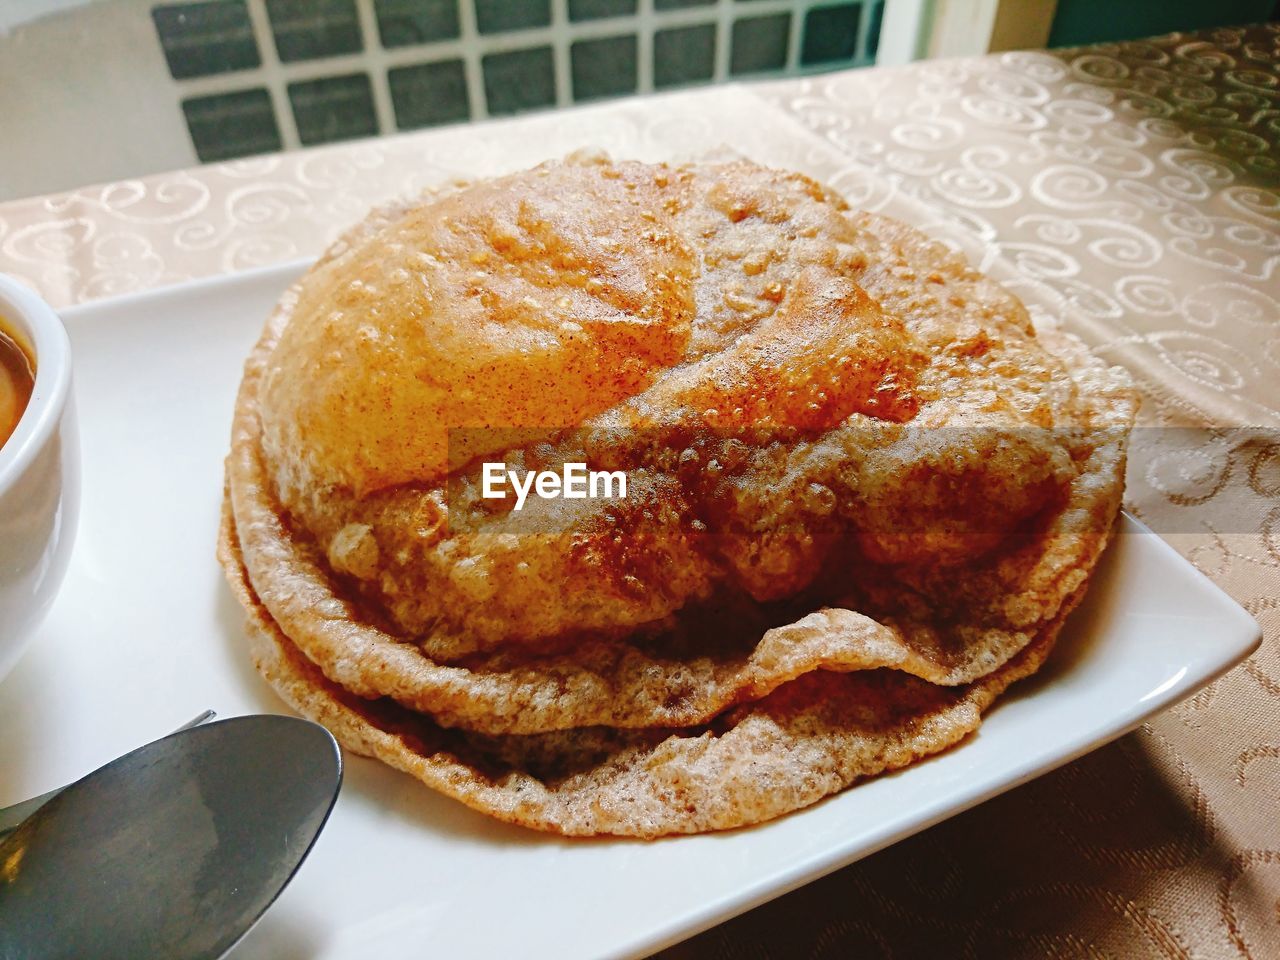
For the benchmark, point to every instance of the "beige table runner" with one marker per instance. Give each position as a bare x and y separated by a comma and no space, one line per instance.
1134,190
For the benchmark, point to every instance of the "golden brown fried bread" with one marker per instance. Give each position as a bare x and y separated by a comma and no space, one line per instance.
857,473
441,328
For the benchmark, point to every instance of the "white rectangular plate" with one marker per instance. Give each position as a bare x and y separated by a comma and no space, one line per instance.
145,635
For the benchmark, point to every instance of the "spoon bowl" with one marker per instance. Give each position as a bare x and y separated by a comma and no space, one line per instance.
174,850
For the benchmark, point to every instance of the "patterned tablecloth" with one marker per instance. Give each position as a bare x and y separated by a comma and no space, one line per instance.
1135,188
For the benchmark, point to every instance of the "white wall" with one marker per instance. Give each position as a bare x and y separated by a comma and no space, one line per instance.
15,12
85,96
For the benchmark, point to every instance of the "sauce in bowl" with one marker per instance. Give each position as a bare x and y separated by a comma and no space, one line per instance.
17,376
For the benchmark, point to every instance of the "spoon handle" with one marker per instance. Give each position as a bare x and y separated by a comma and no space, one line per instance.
11,817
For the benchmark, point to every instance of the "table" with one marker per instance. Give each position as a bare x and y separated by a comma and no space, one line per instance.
1136,186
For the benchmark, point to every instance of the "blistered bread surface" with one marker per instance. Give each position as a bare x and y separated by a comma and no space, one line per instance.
864,493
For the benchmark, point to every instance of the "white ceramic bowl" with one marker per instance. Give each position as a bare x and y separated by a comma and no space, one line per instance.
39,476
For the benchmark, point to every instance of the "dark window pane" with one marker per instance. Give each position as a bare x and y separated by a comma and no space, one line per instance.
598,9
519,80
678,4
311,29
335,108
603,68
428,94
229,125
203,38
684,55
830,34
873,28
498,16
403,23
760,43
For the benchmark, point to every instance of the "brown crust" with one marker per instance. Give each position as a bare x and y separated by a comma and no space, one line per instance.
807,740
606,680
622,725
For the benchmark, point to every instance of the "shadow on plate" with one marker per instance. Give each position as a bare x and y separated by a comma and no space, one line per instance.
1087,622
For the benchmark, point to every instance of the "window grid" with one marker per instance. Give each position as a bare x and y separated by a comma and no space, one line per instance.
470,48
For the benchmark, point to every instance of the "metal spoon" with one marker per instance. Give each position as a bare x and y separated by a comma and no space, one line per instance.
11,817
174,850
